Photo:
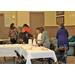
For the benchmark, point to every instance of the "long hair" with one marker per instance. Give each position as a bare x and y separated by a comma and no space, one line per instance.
11,26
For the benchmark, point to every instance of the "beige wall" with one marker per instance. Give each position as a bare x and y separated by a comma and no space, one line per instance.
22,17
69,18
9,15
50,18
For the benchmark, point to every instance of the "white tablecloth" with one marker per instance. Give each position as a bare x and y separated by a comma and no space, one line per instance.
7,50
36,52
26,51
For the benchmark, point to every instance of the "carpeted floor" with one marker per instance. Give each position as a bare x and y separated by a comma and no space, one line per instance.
9,60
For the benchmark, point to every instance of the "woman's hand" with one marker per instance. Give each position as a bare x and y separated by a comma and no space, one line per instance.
33,35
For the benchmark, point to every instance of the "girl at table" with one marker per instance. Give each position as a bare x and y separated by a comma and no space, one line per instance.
13,33
23,39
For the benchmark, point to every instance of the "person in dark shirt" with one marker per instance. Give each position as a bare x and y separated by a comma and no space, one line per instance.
62,36
24,36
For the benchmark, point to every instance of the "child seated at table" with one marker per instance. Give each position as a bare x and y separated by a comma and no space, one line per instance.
24,36
38,40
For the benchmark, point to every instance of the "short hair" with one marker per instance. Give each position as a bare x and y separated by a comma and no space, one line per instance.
41,29
38,28
26,25
62,26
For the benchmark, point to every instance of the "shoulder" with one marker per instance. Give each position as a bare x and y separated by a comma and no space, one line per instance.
25,32
40,34
65,30
58,31
44,32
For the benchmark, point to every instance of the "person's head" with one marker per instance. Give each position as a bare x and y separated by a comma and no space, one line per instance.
23,30
25,25
61,26
38,30
41,29
12,26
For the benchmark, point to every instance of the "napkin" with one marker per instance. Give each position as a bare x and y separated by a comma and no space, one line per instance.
34,42
30,41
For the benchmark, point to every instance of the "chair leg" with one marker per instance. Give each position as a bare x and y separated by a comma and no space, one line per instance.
4,59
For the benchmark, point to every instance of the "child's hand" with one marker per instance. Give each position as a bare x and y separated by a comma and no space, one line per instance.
33,35
23,42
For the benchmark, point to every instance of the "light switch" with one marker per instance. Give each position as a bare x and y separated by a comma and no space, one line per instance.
13,17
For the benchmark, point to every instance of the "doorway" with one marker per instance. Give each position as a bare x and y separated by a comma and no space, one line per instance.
36,20
1,25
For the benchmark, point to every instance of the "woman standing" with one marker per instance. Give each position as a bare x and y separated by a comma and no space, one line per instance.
13,33
26,28
62,36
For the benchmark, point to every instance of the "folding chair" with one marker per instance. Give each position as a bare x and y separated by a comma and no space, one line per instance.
49,60
20,59
60,57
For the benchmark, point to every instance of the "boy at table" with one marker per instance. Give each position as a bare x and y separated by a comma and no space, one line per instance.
38,40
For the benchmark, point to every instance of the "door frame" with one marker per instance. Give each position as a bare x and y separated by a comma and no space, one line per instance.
3,25
36,13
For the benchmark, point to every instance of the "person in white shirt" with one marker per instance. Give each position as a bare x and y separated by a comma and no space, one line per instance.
38,40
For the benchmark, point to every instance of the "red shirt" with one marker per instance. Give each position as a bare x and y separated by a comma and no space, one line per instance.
27,29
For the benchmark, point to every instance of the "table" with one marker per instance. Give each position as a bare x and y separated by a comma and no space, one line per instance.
4,40
7,50
36,52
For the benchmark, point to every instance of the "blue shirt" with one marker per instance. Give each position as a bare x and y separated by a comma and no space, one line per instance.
62,36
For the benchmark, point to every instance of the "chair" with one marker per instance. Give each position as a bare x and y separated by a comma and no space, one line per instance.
20,59
49,60
61,57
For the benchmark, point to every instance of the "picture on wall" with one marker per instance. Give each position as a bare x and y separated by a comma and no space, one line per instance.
59,12
60,20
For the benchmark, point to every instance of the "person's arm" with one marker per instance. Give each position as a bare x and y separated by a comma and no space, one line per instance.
30,35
